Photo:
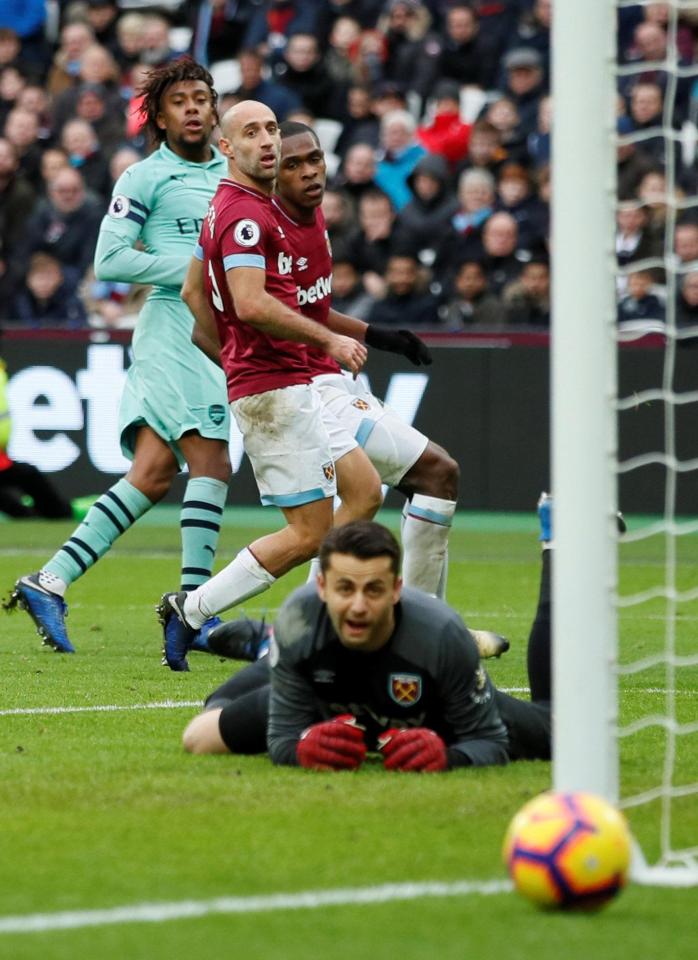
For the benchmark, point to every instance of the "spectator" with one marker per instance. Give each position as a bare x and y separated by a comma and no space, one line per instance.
47,300
130,30
533,30
82,146
52,160
632,164
274,21
640,303
403,26
218,28
11,85
156,49
112,304
527,300
65,70
65,227
348,293
525,84
26,18
10,49
485,150
646,113
462,240
447,134
358,172
686,245
471,304
371,245
650,47
388,96
633,240
106,117
98,69
17,198
342,56
361,125
102,17
33,98
22,130
424,219
401,153
653,192
503,115
687,301
302,71
461,53
253,86
406,303
339,215
514,196
502,260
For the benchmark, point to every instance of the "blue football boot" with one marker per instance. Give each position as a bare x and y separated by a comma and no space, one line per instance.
47,610
241,639
178,636
200,641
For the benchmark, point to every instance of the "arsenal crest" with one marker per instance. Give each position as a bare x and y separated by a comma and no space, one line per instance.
405,688
328,470
359,404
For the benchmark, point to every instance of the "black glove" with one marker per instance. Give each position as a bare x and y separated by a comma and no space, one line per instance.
398,341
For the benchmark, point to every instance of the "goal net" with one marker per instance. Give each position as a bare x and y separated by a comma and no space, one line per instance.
625,419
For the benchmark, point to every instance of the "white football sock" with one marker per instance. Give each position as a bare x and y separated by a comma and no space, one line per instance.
49,581
425,540
314,570
240,580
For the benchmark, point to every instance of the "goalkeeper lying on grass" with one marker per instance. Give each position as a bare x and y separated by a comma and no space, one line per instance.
358,664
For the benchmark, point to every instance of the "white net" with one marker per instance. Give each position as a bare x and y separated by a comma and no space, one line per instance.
657,286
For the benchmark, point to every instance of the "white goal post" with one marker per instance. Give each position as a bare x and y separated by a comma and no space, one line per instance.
584,413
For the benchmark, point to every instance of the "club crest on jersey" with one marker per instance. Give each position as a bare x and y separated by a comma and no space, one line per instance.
359,404
328,470
216,413
119,207
405,688
302,263
247,233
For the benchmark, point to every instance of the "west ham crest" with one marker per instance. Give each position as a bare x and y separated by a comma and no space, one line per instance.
405,688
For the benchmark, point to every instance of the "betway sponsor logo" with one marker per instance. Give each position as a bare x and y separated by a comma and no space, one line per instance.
318,291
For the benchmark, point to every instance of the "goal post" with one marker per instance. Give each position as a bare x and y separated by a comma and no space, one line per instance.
589,661
583,398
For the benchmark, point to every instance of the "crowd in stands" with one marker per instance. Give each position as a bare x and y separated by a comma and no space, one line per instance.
436,120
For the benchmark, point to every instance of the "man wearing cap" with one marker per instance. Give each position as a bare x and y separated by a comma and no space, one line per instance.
524,84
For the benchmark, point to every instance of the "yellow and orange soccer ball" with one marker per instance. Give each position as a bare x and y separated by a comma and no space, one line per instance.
568,851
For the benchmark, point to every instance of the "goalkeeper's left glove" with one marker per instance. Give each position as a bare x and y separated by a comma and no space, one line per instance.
417,749
398,341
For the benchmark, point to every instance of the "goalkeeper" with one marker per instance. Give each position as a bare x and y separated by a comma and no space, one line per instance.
359,664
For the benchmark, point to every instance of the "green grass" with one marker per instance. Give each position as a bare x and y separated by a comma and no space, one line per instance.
102,809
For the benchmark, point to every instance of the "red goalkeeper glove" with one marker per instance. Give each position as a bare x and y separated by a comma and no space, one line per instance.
336,744
417,749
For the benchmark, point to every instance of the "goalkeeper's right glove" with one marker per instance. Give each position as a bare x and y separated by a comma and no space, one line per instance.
336,744
403,342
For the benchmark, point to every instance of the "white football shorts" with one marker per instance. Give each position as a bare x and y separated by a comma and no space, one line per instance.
392,445
287,442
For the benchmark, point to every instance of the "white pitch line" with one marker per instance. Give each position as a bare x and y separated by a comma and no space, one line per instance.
181,704
308,900
101,708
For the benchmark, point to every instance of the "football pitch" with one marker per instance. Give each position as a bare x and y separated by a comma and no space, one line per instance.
116,844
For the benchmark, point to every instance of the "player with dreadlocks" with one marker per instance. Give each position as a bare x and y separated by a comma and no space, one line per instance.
174,407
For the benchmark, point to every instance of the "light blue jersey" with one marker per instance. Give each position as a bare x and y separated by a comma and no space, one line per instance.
172,387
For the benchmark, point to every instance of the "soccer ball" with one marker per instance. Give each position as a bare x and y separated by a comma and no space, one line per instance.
568,850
